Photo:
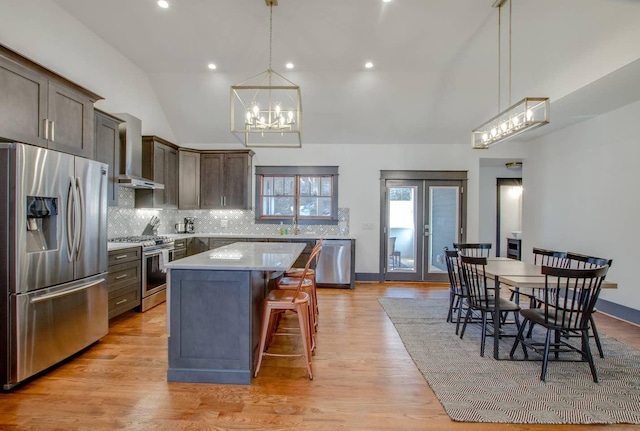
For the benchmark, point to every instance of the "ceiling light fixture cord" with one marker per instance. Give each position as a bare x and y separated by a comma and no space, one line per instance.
499,55
270,32
510,3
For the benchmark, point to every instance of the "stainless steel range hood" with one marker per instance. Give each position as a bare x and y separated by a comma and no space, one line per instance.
131,155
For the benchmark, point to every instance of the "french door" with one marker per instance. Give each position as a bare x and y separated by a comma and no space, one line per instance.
420,218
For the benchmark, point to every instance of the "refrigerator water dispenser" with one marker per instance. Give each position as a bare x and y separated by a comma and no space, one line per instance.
42,214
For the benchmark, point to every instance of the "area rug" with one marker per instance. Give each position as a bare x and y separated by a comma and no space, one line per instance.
481,389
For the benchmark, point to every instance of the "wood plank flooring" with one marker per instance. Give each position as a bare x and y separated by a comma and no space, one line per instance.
363,380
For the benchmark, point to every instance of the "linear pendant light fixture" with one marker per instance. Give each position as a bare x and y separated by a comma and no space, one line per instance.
527,114
266,109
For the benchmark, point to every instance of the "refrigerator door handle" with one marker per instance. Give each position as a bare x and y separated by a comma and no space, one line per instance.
66,292
80,227
69,221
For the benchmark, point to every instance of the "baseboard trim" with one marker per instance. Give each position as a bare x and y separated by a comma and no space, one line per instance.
368,276
618,311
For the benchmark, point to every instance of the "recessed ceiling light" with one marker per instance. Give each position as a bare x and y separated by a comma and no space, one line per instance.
163,4
290,66
386,1
368,65
212,66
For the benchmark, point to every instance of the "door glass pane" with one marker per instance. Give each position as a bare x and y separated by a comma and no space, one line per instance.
444,224
402,229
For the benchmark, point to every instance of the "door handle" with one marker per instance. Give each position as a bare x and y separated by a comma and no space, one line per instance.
66,292
70,221
79,236
426,230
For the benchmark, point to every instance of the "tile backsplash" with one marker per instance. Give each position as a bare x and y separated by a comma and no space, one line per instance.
125,220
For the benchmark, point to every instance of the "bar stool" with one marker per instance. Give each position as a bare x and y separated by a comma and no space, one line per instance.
277,302
308,286
291,276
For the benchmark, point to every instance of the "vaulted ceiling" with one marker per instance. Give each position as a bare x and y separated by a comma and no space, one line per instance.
435,73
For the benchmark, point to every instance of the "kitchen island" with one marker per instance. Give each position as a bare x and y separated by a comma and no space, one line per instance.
215,306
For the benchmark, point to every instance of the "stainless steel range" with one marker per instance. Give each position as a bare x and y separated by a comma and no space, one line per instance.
156,251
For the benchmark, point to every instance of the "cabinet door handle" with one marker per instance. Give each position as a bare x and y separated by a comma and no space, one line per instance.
122,256
46,128
120,277
53,130
122,301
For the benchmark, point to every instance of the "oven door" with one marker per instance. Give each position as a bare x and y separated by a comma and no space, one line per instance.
154,275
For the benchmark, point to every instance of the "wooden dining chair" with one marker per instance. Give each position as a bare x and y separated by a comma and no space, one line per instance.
541,257
456,294
480,297
570,296
581,261
275,304
481,249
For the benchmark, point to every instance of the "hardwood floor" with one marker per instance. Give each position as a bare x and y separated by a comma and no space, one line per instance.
363,380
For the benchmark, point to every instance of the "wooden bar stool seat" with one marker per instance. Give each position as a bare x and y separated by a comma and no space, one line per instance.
291,277
277,302
308,286
291,295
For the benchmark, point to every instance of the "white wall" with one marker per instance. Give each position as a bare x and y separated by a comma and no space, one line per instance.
48,35
580,194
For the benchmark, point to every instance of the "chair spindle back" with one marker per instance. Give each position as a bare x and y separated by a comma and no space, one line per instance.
570,295
544,257
475,281
473,249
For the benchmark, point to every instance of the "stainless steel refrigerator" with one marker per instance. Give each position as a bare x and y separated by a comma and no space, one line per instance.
53,258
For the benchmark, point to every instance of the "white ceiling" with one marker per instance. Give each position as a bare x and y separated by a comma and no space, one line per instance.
436,61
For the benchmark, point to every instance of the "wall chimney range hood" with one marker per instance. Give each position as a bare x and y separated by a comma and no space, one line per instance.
131,155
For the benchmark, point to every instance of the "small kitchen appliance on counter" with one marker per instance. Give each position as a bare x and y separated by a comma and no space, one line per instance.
189,225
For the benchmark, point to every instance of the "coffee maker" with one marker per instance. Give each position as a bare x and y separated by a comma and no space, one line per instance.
189,224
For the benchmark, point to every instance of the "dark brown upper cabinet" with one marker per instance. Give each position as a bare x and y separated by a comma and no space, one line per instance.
108,150
160,164
42,108
225,179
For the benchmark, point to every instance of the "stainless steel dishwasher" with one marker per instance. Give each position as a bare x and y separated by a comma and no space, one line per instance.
334,265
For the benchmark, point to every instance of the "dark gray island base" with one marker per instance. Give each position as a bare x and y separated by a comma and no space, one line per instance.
215,308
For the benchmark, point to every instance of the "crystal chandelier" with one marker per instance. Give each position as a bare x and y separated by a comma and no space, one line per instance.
266,109
527,114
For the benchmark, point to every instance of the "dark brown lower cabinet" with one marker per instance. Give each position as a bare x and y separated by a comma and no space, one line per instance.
124,280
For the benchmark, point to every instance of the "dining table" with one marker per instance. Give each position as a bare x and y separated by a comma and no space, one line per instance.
517,274
498,268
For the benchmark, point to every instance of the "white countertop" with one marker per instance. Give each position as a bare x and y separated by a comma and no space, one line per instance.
243,256
256,236
120,245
